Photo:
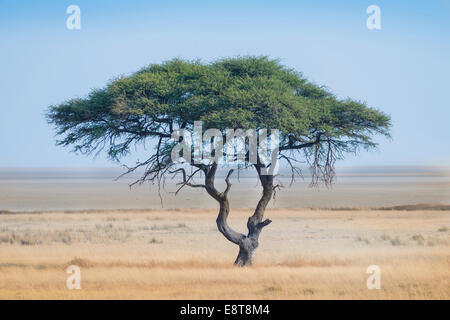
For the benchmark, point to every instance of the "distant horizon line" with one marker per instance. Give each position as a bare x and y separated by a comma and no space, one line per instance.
118,167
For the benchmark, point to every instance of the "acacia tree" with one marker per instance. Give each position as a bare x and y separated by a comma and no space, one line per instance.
238,93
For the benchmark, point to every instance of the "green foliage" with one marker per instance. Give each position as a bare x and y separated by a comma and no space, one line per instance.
242,92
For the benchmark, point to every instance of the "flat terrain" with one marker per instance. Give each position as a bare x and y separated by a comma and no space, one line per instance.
179,254
84,189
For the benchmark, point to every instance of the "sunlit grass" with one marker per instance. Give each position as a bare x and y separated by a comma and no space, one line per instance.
179,254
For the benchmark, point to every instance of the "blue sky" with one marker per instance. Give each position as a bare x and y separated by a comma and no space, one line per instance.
402,69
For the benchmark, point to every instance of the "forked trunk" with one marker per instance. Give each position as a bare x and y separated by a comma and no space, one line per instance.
246,250
247,243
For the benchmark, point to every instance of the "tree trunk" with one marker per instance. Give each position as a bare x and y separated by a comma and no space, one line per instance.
255,224
247,243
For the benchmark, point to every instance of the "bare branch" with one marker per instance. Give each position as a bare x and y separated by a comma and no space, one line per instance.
227,180
187,179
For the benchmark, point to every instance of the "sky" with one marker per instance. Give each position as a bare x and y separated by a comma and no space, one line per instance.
402,69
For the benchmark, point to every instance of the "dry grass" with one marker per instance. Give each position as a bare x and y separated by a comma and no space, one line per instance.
177,254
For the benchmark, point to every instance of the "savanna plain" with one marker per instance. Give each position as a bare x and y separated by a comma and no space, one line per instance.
317,252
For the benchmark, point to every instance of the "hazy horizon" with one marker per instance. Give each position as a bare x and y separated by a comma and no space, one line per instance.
97,189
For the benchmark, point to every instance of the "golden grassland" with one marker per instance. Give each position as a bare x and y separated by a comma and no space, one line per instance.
179,254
